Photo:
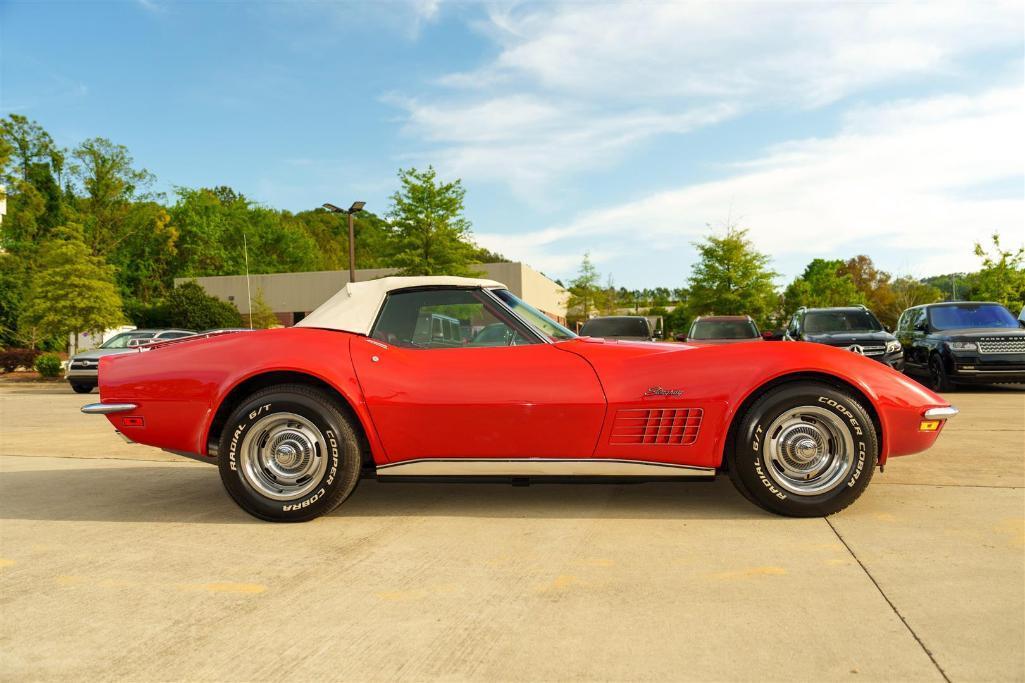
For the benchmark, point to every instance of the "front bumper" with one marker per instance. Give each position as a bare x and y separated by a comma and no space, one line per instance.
895,360
977,368
82,373
83,378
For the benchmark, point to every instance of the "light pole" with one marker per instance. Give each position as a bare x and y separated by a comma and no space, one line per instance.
353,210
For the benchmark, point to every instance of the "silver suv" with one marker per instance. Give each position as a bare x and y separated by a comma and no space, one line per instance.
83,368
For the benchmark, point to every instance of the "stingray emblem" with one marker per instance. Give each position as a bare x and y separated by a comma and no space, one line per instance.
856,348
659,391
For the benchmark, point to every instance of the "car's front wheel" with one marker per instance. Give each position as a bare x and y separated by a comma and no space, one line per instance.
288,454
939,380
804,449
79,388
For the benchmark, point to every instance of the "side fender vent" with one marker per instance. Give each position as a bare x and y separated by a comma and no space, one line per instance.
656,427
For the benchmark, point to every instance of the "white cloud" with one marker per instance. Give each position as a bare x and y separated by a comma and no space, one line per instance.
900,180
526,140
575,85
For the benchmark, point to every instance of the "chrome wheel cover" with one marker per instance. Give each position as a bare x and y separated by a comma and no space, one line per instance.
283,456
808,450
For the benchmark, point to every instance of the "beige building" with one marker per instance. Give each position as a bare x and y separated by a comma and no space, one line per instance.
293,295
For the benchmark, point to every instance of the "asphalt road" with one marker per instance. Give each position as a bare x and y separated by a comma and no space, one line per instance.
120,562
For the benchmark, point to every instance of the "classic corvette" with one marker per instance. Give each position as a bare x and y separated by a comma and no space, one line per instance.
443,377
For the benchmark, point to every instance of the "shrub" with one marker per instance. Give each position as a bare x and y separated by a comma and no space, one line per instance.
12,359
49,365
191,308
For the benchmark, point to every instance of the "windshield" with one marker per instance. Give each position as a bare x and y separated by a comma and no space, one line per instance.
616,327
534,317
723,329
971,315
820,322
121,341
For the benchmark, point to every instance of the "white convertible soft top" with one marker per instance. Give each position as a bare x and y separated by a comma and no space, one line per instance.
355,307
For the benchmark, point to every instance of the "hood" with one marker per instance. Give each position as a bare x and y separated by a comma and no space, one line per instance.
845,338
100,353
971,334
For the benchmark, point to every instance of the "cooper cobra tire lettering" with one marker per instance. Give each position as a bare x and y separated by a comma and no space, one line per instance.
845,411
332,441
306,503
860,466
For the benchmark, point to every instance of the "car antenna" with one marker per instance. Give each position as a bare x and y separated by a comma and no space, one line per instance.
249,290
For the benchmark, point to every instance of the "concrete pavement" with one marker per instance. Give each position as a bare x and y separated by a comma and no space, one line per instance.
118,563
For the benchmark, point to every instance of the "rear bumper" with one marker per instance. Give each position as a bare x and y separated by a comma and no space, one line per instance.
108,408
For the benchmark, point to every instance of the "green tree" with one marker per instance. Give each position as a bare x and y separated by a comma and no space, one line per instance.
71,291
953,286
908,292
147,257
215,226
1002,276
110,182
824,283
25,143
731,277
13,281
262,315
433,237
875,286
677,321
191,308
585,290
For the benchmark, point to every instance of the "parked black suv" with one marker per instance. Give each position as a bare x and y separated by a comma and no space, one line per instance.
962,342
854,328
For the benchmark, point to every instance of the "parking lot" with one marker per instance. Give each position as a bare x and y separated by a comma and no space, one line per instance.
122,562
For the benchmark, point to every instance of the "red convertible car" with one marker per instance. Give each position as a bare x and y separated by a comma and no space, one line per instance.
443,377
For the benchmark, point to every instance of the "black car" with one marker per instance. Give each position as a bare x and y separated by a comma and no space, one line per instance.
629,327
962,342
854,328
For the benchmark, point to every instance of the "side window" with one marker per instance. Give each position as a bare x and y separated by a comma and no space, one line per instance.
920,317
446,319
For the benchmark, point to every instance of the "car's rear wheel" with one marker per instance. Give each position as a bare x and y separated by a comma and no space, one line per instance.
939,380
289,454
805,449
81,388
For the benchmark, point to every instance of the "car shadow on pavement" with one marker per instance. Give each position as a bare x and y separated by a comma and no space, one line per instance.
195,495
652,500
36,389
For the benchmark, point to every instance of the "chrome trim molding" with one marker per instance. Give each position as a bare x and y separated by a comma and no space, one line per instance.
538,334
107,408
940,413
538,467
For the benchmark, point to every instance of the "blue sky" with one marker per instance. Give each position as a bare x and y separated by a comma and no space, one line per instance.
626,130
